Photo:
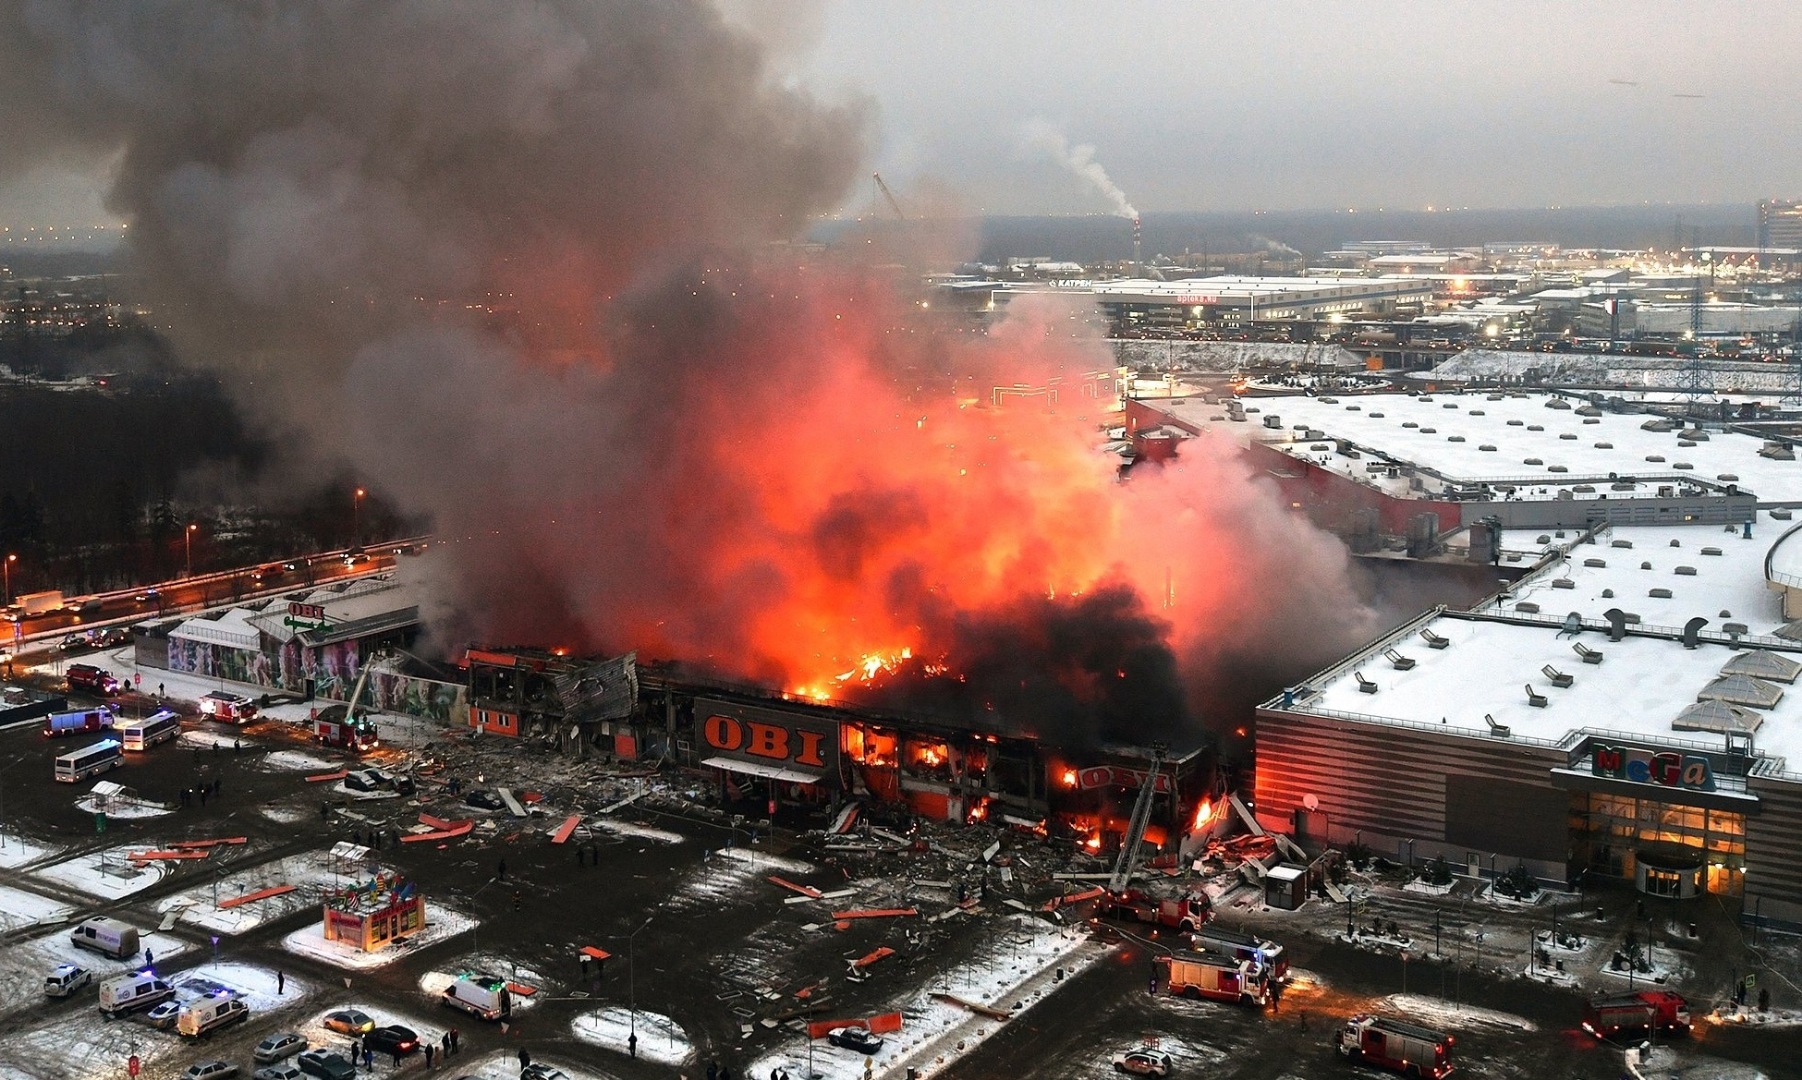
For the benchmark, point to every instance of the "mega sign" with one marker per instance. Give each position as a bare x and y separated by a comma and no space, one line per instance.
755,734
1096,776
1665,768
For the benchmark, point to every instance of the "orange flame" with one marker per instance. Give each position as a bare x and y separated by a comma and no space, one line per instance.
1203,814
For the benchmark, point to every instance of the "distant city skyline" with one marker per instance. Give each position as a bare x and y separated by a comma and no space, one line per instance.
1203,106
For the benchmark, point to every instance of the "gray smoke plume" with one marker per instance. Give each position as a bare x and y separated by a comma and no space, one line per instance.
303,179
1043,137
1274,246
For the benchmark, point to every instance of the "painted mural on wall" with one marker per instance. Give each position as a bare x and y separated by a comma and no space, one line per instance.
333,668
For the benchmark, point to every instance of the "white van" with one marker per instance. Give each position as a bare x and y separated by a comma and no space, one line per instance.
483,995
211,1013
129,993
107,936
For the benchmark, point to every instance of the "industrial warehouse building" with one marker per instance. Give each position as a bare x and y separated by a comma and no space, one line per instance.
1624,712
1527,460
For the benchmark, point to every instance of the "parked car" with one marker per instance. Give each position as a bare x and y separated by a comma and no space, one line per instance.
279,1046
112,636
325,1065
65,979
281,1070
538,1070
855,1038
363,780
74,643
484,800
165,1015
1143,1062
393,1039
350,1022
210,1070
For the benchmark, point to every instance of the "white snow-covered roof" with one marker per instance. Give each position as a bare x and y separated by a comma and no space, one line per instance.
1641,687
232,629
366,598
1728,576
1532,446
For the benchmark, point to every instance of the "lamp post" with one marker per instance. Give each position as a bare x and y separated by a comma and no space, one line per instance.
187,539
10,559
631,978
356,516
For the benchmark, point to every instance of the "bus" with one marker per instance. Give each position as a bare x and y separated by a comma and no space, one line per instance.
81,764
143,734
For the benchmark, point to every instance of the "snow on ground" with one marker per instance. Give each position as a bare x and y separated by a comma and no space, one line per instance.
504,1065
1186,1059
120,806
19,908
432,983
209,736
441,923
660,1038
724,876
633,829
1016,972
301,761
1431,1010
106,874
362,796
308,872
1665,1061
285,815
23,964
16,850
322,1037
252,984
1742,1016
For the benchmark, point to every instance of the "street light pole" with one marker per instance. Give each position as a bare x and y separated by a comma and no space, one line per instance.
632,978
10,559
187,538
356,516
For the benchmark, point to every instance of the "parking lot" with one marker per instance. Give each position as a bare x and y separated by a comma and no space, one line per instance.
750,933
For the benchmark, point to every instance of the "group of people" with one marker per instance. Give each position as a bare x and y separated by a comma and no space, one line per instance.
205,789
444,1047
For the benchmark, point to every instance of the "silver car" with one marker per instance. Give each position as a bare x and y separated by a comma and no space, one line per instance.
277,1047
281,1070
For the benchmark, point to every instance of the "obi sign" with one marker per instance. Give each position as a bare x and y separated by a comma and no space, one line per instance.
1665,768
766,735
1096,776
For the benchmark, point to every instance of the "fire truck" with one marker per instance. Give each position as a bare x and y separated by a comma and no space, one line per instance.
1645,1011
1238,946
335,727
1201,976
1184,913
1390,1044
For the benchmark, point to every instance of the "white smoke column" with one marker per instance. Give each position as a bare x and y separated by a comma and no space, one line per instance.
1276,247
1042,136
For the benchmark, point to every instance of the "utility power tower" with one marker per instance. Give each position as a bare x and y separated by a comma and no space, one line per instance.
1695,377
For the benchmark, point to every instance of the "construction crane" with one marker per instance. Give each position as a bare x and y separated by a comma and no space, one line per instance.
890,196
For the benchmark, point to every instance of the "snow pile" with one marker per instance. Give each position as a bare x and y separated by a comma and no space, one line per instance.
106,874
254,985
1013,974
725,876
633,829
120,804
660,1038
23,965
504,1065
300,761
19,908
309,873
1431,1010
441,923
433,983
16,850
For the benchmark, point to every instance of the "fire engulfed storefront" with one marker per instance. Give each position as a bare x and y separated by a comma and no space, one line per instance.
768,751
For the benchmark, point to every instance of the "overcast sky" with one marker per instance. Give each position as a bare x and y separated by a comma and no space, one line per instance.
1199,105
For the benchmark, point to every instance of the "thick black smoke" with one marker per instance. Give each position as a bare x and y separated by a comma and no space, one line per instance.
1093,670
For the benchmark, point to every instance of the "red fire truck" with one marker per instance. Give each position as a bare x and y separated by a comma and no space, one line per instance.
333,727
1390,1044
1184,913
1199,976
1231,943
1645,1011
